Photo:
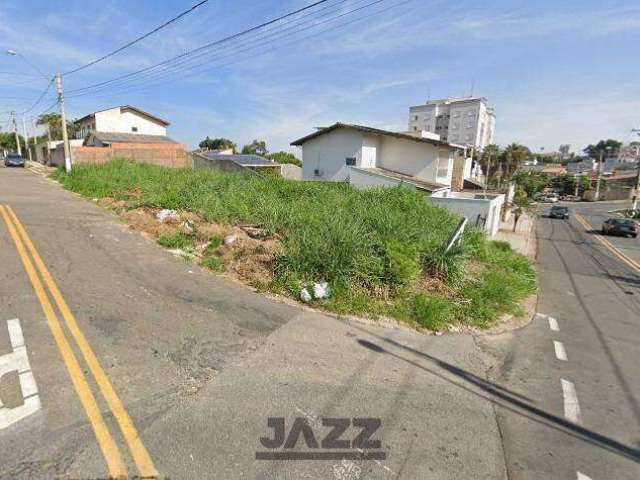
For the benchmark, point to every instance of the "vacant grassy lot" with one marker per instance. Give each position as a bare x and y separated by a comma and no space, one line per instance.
381,250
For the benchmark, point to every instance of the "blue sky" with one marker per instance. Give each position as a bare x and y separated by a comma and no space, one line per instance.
556,72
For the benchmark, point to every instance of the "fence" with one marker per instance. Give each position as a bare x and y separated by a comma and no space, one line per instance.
175,157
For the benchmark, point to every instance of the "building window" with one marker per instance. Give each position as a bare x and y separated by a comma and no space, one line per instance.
415,117
134,129
350,161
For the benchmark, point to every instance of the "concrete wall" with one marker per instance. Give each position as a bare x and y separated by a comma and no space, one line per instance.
291,172
157,154
472,208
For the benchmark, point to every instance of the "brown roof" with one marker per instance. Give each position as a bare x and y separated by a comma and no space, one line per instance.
129,107
417,182
374,131
117,137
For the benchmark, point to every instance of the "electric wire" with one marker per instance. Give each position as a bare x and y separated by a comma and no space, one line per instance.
140,38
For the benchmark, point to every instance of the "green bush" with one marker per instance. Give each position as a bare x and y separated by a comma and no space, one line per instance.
212,263
175,240
433,313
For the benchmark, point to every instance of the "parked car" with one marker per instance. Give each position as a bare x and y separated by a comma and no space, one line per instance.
558,211
620,226
13,160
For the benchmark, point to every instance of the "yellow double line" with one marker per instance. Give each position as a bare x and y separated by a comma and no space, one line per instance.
608,245
106,442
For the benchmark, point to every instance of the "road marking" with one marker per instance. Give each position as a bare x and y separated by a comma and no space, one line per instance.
561,353
553,324
18,361
138,451
582,476
105,441
626,259
571,406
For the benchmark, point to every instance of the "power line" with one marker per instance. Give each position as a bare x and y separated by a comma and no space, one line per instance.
40,98
140,38
203,47
154,76
188,62
294,41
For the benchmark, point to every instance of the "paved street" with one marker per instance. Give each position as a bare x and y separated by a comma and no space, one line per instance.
159,367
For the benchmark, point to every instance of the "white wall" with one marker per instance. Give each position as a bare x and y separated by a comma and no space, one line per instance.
328,153
471,208
113,121
370,147
409,157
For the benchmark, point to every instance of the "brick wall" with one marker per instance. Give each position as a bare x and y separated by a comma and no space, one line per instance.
167,155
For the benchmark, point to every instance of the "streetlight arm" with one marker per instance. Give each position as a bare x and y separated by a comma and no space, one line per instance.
32,65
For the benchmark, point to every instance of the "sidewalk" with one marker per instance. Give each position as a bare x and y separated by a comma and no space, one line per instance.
523,239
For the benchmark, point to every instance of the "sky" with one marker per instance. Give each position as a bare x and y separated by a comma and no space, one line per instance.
556,72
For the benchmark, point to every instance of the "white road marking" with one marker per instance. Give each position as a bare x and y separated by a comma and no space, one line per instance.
553,324
571,406
18,361
561,353
582,476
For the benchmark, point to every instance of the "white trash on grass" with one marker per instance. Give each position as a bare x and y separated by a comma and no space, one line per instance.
229,239
166,214
305,296
321,290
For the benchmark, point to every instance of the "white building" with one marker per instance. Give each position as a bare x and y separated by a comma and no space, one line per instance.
465,121
369,157
123,119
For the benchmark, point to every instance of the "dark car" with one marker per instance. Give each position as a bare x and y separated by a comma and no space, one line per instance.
620,226
13,160
559,212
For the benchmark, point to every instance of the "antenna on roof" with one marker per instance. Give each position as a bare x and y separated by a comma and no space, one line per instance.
473,85
428,92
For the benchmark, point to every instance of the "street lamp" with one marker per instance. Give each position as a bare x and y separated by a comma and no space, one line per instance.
14,53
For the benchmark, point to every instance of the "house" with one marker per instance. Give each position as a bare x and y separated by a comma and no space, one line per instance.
122,119
370,157
124,132
230,162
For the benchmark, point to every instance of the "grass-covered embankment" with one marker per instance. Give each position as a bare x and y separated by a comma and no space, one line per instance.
381,250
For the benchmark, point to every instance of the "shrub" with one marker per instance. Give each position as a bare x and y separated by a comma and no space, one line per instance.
432,312
175,240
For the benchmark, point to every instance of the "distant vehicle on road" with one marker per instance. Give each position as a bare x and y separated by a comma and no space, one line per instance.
558,211
13,160
550,198
620,226
570,198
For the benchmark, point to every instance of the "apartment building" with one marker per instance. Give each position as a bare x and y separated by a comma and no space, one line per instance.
467,121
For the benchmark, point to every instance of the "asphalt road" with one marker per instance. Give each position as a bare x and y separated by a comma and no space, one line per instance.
138,363
578,360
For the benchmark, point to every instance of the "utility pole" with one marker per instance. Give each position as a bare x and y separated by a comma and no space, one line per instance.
15,131
63,119
634,204
599,174
26,138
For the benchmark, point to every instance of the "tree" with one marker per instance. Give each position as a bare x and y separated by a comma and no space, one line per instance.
593,151
8,142
531,182
490,158
54,123
568,184
513,157
521,204
217,144
285,157
257,147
